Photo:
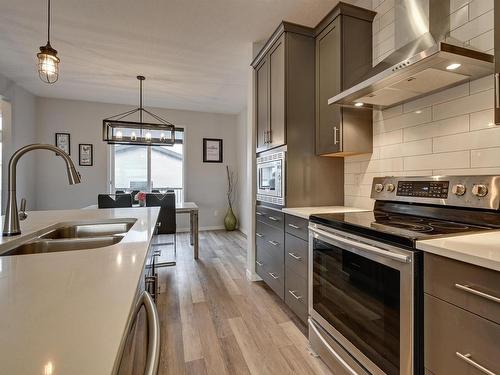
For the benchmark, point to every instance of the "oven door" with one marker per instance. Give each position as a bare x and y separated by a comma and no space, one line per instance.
361,293
269,178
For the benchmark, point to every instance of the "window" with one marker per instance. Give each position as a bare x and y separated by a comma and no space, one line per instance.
149,168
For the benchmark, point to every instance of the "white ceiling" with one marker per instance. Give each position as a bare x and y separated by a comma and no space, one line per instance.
194,53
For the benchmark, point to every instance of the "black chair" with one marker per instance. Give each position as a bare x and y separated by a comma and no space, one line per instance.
114,200
155,191
134,193
166,219
119,192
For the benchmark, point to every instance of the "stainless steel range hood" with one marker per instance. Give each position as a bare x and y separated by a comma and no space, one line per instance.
428,60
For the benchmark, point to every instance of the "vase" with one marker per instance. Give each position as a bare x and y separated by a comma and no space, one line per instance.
230,220
142,203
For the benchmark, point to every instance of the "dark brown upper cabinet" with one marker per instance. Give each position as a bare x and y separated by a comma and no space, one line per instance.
276,68
343,57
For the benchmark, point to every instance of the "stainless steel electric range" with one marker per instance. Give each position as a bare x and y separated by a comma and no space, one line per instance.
365,274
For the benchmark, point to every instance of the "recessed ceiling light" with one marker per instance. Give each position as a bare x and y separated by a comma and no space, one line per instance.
453,66
358,104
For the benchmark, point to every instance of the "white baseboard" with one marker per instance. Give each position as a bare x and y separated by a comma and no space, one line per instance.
251,276
216,227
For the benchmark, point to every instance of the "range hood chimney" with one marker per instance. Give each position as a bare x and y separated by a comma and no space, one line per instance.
427,59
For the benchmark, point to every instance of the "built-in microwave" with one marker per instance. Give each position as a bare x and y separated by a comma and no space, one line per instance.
271,178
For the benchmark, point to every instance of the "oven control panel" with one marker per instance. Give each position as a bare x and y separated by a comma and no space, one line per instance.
423,189
460,191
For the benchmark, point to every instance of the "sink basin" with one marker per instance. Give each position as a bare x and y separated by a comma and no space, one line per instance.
50,246
89,230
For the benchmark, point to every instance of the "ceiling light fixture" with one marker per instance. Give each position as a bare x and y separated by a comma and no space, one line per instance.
359,104
118,131
453,66
48,62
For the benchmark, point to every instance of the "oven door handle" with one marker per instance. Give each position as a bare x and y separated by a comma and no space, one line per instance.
362,246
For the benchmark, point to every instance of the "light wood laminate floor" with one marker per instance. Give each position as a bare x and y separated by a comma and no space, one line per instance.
215,321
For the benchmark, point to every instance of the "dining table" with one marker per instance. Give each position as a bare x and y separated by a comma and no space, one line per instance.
190,208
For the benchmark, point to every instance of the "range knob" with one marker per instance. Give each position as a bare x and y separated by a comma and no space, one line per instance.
390,187
458,189
379,188
480,190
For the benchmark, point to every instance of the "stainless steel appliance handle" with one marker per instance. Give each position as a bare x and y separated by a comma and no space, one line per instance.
153,355
295,256
368,248
468,358
338,358
468,289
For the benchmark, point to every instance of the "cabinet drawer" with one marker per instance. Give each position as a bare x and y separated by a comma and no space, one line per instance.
470,287
269,216
297,226
266,234
296,294
296,255
450,332
274,277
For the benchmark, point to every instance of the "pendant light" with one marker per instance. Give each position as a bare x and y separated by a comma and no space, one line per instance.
158,132
48,62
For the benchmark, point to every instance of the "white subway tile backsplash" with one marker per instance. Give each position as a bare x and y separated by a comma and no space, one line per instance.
459,159
482,120
475,27
478,7
489,157
453,133
473,103
468,141
452,125
482,84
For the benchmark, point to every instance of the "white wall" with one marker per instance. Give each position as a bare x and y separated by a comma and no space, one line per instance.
205,183
241,155
451,132
18,130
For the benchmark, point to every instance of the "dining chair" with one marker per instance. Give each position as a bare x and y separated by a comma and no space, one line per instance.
114,200
134,193
120,192
166,220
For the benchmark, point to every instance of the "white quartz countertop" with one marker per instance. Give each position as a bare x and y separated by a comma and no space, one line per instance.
67,312
481,249
306,212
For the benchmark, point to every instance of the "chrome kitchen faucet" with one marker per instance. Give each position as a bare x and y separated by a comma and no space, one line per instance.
11,225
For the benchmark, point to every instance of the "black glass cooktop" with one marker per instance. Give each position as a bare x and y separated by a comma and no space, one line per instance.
389,227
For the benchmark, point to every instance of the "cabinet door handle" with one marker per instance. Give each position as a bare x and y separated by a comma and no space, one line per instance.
259,263
292,292
295,256
273,275
272,218
468,358
335,140
259,235
258,213
270,136
468,289
274,243
293,226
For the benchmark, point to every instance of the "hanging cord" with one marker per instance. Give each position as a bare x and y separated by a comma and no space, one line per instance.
48,23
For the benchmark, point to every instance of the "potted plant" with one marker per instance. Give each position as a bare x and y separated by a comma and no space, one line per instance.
141,198
230,221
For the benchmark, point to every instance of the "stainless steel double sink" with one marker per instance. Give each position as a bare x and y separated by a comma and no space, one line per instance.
75,237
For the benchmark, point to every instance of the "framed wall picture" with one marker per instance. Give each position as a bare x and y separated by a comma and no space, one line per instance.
63,142
85,155
212,150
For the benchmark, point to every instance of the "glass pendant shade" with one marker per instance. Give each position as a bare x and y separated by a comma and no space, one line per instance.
48,64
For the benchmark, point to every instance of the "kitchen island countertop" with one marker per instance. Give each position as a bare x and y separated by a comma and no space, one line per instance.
67,312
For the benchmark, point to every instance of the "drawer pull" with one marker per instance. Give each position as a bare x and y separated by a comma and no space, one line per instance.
274,243
295,256
258,213
259,235
259,263
468,289
272,218
274,276
468,358
293,226
292,292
